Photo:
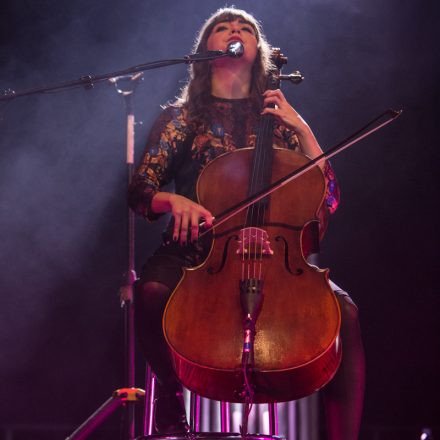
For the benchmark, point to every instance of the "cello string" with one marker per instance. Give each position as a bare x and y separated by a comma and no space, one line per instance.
262,207
268,153
258,210
255,183
250,212
247,228
255,214
259,161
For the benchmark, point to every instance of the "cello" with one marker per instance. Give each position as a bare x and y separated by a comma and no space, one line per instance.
255,314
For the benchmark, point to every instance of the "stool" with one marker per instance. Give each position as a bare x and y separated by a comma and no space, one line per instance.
194,419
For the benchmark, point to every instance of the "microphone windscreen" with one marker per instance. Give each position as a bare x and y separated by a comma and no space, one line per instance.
235,49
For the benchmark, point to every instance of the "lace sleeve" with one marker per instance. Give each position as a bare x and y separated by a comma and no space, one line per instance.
164,143
332,195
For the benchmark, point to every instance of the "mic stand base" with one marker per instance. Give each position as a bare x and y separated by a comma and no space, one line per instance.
123,396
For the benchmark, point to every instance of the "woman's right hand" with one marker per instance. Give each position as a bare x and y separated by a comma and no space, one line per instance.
186,213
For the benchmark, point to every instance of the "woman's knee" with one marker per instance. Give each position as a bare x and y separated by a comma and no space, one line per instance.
350,327
349,310
150,289
150,296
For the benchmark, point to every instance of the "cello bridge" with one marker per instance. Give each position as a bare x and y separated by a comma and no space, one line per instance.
254,242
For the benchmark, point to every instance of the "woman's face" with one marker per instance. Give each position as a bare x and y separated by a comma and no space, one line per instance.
226,32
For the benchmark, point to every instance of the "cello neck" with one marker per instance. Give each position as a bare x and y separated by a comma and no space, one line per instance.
261,171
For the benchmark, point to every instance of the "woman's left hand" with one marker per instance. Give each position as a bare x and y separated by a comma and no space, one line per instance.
290,118
283,111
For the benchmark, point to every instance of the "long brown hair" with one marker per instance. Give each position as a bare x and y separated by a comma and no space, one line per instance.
195,97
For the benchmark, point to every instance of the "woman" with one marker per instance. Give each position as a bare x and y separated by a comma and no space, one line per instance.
217,112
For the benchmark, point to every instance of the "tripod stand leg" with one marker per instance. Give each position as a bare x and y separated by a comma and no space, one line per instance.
96,419
131,395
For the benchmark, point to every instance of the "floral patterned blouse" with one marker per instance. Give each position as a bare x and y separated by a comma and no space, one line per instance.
176,153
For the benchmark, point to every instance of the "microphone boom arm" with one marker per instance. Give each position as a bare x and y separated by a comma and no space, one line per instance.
89,81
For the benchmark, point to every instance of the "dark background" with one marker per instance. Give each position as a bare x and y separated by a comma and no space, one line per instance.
62,191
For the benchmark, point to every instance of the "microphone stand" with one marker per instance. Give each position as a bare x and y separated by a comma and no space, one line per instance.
89,81
125,82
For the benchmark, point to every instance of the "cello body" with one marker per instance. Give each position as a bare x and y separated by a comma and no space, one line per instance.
297,348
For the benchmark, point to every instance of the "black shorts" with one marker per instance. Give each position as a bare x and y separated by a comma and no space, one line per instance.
166,264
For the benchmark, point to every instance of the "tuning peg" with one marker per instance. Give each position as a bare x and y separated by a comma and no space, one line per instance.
294,77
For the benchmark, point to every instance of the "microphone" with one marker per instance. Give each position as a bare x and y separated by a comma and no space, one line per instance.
235,49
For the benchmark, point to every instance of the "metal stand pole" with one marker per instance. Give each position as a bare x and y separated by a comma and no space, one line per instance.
273,418
225,415
195,412
126,85
150,386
